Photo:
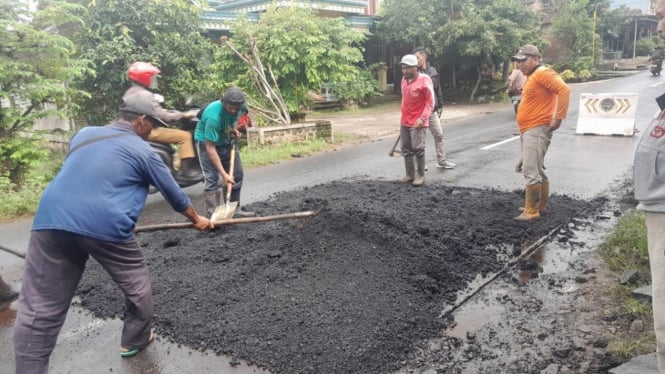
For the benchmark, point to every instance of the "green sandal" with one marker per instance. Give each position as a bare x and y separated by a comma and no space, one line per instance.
129,352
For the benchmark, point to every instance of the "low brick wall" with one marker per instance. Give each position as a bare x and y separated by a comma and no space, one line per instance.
298,132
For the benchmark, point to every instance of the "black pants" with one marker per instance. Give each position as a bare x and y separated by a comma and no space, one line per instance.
53,267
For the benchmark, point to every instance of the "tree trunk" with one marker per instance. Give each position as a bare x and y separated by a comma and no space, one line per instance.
475,88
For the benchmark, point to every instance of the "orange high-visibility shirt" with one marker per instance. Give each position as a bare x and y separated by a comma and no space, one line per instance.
545,96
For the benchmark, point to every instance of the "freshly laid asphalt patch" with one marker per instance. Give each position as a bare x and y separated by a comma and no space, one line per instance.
351,290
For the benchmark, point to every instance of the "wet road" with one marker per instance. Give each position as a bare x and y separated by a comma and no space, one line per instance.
483,148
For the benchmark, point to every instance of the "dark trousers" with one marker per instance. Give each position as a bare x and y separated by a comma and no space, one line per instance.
54,264
212,178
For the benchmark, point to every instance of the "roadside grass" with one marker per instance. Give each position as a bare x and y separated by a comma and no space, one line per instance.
16,204
638,345
626,249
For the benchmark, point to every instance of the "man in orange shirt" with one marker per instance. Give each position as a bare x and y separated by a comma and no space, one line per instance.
544,105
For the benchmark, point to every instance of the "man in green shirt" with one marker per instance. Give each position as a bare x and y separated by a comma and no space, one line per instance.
215,137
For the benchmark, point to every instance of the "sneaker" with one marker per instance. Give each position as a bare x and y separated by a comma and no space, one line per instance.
445,164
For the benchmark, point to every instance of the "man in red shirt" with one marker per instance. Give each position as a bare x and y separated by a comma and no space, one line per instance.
544,105
417,106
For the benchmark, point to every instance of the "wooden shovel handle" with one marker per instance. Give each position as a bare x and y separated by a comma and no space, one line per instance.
231,169
227,221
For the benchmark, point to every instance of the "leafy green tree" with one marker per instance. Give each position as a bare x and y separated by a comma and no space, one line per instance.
472,36
166,33
36,70
485,34
301,49
572,27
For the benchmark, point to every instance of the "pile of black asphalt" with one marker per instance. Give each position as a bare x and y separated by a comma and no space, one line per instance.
352,290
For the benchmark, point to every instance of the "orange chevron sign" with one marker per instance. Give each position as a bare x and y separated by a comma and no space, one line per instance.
591,105
624,105
607,105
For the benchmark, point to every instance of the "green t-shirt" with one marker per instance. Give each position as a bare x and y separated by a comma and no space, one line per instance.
216,124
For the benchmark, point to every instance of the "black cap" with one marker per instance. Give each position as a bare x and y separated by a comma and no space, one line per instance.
233,96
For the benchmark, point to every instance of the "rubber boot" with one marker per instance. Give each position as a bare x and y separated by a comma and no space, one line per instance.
420,172
7,295
212,200
190,170
410,169
531,203
240,211
544,197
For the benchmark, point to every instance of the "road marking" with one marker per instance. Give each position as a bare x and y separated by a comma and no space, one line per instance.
657,84
499,143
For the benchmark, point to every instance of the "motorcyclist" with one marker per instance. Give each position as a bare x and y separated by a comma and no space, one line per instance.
515,82
144,79
657,57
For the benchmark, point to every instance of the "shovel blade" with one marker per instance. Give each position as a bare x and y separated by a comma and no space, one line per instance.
224,211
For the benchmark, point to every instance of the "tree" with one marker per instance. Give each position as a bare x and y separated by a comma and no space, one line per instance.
611,24
264,82
36,69
572,28
166,33
485,34
302,49
471,35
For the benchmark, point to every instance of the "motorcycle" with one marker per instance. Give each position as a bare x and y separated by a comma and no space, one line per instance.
656,66
167,153
515,98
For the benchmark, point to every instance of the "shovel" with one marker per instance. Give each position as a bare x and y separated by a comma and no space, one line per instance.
229,208
229,221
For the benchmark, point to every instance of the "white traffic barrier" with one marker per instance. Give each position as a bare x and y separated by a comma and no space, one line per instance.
607,114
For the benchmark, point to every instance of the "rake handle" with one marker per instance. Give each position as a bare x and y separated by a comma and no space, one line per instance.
228,221
9,250
392,150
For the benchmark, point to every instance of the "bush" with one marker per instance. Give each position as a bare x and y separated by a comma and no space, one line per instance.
362,87
584,74
567,75
16,202
644,46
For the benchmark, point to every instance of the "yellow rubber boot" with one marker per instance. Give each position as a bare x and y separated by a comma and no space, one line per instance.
544,197
531,203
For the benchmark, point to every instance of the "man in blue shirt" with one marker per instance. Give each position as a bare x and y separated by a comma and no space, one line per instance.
215,137
89,209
